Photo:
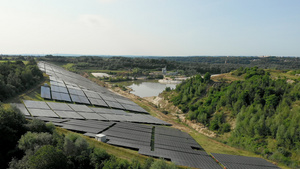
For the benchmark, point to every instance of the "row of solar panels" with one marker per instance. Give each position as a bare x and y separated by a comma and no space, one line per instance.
242,162
61,90
71,78
138,137
93,98
74,111
129,135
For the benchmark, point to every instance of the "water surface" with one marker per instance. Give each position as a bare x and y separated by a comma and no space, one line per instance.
147,88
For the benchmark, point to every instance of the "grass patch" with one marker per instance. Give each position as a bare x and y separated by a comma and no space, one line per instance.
68,66
281,74
228,77
2,61
104,71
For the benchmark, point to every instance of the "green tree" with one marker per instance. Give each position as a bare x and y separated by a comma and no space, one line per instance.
32,141
98,157
207,77
161,164
47,157
12,126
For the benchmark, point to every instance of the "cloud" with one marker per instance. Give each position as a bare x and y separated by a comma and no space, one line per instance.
106,1
95,21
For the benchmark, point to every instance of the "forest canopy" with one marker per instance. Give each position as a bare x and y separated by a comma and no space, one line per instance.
16,77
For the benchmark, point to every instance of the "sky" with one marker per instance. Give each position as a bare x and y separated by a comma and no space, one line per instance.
151,27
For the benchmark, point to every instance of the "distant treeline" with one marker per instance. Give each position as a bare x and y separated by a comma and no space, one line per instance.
188,65
15,77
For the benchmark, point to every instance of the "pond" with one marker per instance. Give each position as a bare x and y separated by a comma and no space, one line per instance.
147,88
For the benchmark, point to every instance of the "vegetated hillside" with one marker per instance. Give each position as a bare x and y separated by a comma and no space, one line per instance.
267,120
185,65
15,77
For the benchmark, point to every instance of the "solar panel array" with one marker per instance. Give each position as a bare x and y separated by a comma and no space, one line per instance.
78,111
180,148
70,87
169,143
130,135
242,162
123,129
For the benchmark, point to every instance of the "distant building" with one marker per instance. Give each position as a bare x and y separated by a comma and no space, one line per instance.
164,70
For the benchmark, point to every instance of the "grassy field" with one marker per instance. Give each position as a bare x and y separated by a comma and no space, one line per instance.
275,74
2,61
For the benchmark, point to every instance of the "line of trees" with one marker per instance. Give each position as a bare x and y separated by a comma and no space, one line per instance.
187,65
266,120
16,77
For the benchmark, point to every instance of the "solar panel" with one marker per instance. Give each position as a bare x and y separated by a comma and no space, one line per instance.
51,119
80,108
98,102
127,143
63,90
91,116
91,94
59,106
42,112
107,98
119,112
65,97
197,161
45,92
55,88
125,101
68,114
114,104
75,98
101,110
134,126
72,91
185,159
84,100
22,108
112,117
36,104
101,125
80,92
146,136
81,128
227,160
134,108
56,96
246,166
172,132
